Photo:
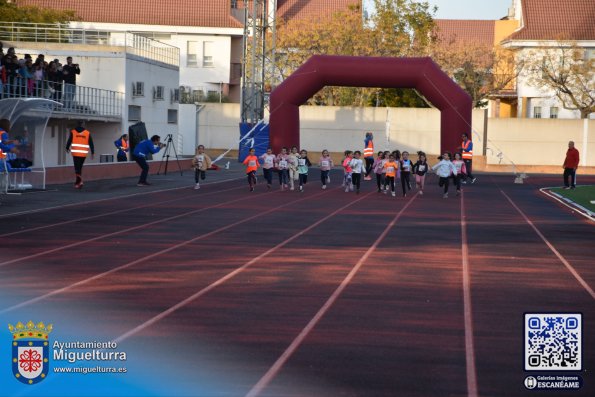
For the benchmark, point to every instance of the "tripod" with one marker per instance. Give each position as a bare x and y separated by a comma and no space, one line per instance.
168,146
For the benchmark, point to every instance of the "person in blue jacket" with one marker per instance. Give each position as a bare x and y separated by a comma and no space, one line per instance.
122,144
140,153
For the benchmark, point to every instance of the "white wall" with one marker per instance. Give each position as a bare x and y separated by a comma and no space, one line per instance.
188,128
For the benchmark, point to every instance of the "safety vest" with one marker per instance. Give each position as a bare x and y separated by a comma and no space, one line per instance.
123,144
369,150
80,143
2,155
467,154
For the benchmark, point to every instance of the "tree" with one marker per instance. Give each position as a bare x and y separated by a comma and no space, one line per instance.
568,72
396,28
9,11
481,70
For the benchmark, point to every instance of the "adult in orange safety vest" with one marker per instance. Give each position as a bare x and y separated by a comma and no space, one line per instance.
122,144
79,144
369,154
467,155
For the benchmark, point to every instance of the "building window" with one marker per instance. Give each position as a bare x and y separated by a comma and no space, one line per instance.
207,54
158,93
133,113
234,4
537,112
553,113
192,54
174,95
172,116
138,89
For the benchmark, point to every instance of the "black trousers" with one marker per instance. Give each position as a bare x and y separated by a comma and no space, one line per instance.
405,181
468,165
268,175
324,176
444,182
251,178
78,167
199,174
369,164
379,181
122,156
570,173
303,179
142,163
390,181
356,179
456,180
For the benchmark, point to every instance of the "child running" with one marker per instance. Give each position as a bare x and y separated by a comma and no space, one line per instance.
386,158
251,163
201,163
461,171
268,164
406,167
347,171
420,168
325,163
378,168
391,167
357,169
444,168
293,167
303,164
283,166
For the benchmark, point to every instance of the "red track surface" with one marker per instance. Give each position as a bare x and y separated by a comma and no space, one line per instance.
234,278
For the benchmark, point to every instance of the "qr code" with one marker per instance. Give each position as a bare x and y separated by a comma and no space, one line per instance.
553,341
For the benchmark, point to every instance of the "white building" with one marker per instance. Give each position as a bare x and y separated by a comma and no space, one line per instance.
124,79
545,25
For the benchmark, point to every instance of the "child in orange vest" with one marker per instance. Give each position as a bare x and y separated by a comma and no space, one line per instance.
391,167
251,163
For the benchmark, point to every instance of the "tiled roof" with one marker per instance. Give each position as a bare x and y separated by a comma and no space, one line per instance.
557,19
307,9
204,13
461,31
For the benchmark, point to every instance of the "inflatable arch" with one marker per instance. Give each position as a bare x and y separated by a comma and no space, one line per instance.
322,70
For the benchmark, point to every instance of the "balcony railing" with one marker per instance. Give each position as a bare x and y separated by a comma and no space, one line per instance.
75,99
60,33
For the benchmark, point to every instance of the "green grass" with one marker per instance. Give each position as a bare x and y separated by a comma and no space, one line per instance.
582,195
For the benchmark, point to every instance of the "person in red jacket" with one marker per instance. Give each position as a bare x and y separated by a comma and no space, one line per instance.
570,165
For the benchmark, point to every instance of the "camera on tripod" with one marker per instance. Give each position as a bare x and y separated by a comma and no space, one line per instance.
168,145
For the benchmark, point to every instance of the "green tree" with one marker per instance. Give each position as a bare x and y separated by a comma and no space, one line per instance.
9,11
396,28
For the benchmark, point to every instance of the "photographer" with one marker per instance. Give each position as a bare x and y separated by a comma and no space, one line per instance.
69,72
140,153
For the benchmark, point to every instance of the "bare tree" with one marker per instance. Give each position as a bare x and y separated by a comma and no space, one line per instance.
566,70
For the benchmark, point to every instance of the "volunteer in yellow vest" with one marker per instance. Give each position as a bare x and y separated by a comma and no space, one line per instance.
467,155
79,144
369,154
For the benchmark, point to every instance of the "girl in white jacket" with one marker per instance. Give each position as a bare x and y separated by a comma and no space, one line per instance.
444,169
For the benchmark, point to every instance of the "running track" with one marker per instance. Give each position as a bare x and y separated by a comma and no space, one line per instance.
315,294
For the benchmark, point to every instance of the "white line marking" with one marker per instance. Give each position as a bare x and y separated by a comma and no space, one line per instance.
145,258
121,231
553,249
468,314
156,203
581,210
230,275
104,199
274,370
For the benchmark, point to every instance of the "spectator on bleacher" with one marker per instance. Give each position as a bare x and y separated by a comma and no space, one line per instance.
37,79
12,73
69,71
54,77
26,73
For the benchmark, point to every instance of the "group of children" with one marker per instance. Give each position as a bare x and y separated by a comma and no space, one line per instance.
292,167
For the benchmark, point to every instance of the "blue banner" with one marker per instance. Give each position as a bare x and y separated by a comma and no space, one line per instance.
257,138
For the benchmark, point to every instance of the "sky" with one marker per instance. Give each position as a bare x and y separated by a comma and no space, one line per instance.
468,9
471,9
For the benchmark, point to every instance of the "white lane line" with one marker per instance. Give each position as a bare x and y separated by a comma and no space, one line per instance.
274,370
151,204
468,314
145,258
105,199
570,268
230,275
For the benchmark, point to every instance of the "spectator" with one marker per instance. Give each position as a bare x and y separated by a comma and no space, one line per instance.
69,71
570,165
12,73
54,82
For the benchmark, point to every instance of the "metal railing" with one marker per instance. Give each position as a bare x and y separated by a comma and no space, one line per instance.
63,33
75,99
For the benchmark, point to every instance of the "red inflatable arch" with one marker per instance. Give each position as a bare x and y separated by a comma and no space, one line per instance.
321,70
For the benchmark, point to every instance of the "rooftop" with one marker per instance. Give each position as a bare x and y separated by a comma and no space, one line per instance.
557,20
461,31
